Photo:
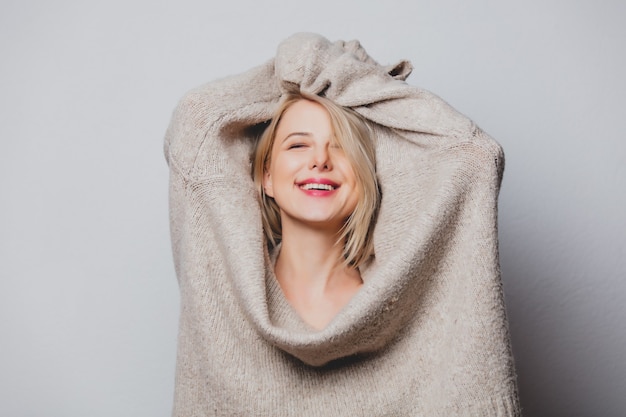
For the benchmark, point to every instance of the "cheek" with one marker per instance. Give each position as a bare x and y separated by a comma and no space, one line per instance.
357,188
356,197
284,168
349,174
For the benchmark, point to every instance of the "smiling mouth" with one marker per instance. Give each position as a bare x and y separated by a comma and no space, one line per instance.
325,187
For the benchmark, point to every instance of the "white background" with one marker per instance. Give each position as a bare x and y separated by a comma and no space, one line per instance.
88,295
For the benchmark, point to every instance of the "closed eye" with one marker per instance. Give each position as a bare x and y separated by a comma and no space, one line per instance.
296,146
334,144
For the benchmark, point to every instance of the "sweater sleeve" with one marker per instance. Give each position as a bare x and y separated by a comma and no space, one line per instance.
200,137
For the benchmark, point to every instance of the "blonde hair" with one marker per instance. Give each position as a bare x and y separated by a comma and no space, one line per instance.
354,136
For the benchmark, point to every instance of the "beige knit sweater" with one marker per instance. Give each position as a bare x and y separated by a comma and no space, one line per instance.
426,335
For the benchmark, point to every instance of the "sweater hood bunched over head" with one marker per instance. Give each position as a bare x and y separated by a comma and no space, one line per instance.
433,286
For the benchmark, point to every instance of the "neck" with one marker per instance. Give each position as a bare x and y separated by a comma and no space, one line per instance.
311,273
310,256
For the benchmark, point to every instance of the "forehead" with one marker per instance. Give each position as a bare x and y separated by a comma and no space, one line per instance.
307,117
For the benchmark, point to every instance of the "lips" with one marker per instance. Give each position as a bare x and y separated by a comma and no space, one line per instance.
317,187
321,184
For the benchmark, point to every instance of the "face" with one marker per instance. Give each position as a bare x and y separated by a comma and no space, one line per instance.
309,177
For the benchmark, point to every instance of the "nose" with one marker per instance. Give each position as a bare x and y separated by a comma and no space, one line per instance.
320,159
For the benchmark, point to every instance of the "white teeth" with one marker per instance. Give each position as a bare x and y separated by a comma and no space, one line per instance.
326,187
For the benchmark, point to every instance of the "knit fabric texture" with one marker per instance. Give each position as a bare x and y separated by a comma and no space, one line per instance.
426,335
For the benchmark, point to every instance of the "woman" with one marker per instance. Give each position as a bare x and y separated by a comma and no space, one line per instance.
362,306
315,171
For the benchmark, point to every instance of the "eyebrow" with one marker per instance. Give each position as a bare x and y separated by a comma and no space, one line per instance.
296,134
